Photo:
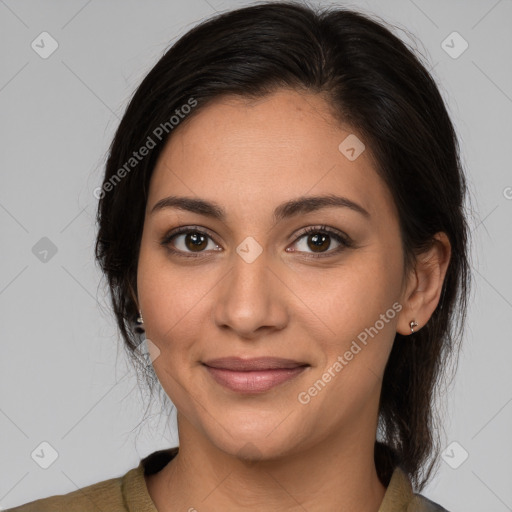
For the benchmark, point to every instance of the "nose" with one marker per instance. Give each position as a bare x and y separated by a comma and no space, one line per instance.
251,299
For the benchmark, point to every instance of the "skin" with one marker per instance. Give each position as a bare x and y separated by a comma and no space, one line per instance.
268,451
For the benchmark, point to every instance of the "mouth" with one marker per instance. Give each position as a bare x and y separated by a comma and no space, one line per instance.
255,375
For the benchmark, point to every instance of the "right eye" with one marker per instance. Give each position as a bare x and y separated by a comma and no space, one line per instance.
188,242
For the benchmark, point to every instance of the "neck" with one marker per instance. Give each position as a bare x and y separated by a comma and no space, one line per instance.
337,474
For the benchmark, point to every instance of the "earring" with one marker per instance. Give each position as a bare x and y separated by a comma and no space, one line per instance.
412,325
140,320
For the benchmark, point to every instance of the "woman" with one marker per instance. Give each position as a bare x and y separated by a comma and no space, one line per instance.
282,217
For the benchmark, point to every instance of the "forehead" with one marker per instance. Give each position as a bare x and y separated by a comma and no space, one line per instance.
248,152
276,125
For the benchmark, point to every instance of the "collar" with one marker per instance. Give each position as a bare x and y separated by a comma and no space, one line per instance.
399,493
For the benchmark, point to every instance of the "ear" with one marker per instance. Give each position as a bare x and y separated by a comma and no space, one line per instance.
424,285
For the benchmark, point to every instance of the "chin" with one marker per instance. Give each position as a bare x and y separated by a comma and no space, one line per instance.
254,445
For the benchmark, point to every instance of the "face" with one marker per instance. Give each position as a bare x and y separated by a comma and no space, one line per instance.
313,283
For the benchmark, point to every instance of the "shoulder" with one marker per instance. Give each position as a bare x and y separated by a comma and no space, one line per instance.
400,496
104,495
126,493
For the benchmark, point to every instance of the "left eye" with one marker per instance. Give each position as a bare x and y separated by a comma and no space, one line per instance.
320,240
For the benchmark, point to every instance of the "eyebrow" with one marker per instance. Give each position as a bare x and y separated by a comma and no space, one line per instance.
292,208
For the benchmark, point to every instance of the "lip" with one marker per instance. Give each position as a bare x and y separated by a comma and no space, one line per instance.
255,375
251,364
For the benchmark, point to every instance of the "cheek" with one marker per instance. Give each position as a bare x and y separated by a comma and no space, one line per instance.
352,297
175,305
174,316
360,306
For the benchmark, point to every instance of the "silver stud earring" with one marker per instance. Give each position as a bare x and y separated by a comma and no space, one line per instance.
412,325
140,320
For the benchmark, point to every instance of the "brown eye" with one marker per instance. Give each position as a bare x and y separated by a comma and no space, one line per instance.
187,241
195,240
320,240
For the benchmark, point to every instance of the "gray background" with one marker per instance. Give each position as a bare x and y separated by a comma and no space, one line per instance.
63,377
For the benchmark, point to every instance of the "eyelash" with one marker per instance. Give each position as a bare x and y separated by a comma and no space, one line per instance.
344,241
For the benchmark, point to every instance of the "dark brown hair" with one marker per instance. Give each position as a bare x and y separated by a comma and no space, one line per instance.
374,83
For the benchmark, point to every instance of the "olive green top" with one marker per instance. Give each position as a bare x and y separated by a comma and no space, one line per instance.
128,493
